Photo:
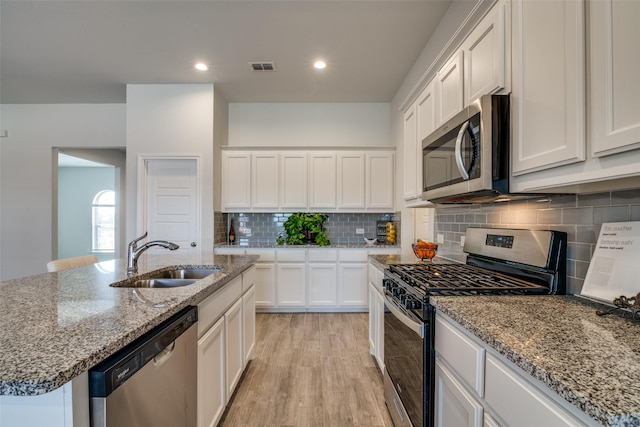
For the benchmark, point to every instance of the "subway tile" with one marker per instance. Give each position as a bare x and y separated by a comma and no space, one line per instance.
577,215
563,200
526,217
574,285
509,217
581,269
493,217
571,268
549,216
579,251
626,197
610,214
587,234
634,213
595,199
480,218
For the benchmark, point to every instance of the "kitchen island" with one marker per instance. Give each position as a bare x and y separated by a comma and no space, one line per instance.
587,363
55,326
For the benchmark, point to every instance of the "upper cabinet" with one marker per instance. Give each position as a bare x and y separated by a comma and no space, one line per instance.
548,87
450,83
615,67
409,170
317,180
484,55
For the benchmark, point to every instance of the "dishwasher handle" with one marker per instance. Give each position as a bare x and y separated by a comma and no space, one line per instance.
108,375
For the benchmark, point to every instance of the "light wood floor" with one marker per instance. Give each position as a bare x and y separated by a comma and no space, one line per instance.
310,369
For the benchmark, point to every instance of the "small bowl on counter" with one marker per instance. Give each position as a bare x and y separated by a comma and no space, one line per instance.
370,242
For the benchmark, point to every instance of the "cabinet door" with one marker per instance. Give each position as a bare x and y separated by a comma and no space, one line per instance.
293,180
236,180
380,331
233,346
323,175
264,189
211,376
450,83
373,307
351,180
265,285
291,284
548,87
322,285
249,323
410,148
380,180
454,406
352,282
615,66
484,56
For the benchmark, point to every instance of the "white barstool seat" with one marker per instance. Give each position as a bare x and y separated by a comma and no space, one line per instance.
67,263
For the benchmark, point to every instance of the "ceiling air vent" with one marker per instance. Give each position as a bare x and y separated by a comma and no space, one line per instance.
262,66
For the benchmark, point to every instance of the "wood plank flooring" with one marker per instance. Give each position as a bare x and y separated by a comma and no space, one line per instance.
310,369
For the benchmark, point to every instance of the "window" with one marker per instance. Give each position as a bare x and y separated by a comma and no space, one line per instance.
103,221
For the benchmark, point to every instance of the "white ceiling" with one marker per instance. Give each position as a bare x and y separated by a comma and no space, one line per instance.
86,51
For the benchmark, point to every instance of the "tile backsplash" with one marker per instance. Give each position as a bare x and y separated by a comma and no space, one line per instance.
260,228
579,216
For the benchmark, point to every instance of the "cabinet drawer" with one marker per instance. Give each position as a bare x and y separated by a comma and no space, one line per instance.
464,356
353,255
214,306
265,255
506,392
291,255
323,255
248,278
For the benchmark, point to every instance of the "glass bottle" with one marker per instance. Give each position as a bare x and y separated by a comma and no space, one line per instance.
232,234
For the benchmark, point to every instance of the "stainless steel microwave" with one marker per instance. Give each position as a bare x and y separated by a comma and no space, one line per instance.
466,160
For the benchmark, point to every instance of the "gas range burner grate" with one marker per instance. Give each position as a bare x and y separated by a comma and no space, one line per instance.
462,279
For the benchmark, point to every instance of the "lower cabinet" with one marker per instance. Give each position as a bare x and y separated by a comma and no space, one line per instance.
376,316
291,285
322,284
226,340
475,386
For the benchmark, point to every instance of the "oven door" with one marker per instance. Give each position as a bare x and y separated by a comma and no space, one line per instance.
405,363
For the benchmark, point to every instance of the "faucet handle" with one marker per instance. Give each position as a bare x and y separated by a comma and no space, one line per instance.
135,241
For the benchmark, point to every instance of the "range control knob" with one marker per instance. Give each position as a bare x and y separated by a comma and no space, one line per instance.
397,291
412,303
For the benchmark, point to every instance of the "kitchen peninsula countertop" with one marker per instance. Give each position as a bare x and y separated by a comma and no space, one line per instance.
56,326
274,245
592,362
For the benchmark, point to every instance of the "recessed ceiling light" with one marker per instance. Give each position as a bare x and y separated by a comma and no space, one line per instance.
202,67
319,65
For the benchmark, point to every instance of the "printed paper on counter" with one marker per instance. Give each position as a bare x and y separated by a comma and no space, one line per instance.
615,265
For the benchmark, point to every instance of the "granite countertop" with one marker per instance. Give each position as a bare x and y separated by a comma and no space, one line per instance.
274,245
592,362
56,326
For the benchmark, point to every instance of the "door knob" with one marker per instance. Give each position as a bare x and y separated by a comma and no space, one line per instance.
193,244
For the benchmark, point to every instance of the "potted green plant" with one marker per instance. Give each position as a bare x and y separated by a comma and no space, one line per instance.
305,228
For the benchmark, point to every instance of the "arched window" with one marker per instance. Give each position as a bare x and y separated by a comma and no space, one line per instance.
104,214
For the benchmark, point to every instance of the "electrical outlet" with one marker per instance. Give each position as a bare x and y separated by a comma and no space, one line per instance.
359,230
462,240
440,238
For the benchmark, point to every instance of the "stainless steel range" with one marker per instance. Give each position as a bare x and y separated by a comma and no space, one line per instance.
499,261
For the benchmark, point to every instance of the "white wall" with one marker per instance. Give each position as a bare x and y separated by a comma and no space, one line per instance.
171,120
26,170
310,125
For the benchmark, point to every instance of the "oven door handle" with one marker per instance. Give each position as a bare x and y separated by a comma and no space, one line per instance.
458,151
416,327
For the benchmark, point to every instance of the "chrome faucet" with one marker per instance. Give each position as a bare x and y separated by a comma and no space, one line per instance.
134,252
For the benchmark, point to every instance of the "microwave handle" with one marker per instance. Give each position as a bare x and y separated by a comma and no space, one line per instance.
458,152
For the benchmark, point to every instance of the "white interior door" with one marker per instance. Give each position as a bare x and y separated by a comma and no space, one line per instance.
172,202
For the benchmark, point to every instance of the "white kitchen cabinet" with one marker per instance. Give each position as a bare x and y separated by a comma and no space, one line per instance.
410,146
212,398
380,180
450,83
548,86
233,347
454,406
322,284
264,180
249,323
353,289
291,277
265,277
351,180
484,55
376,316
615,66
293,180
236,180
322,180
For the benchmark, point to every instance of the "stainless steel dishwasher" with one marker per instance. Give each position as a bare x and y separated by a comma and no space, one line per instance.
152,381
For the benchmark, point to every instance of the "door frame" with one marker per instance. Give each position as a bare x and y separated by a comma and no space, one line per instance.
142,182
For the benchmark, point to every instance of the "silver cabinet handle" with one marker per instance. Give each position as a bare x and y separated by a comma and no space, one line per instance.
194,244
458,154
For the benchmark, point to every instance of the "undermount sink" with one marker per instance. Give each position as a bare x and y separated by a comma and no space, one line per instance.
168,278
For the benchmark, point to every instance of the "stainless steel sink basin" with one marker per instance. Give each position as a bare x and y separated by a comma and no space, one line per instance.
168,278
162,283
